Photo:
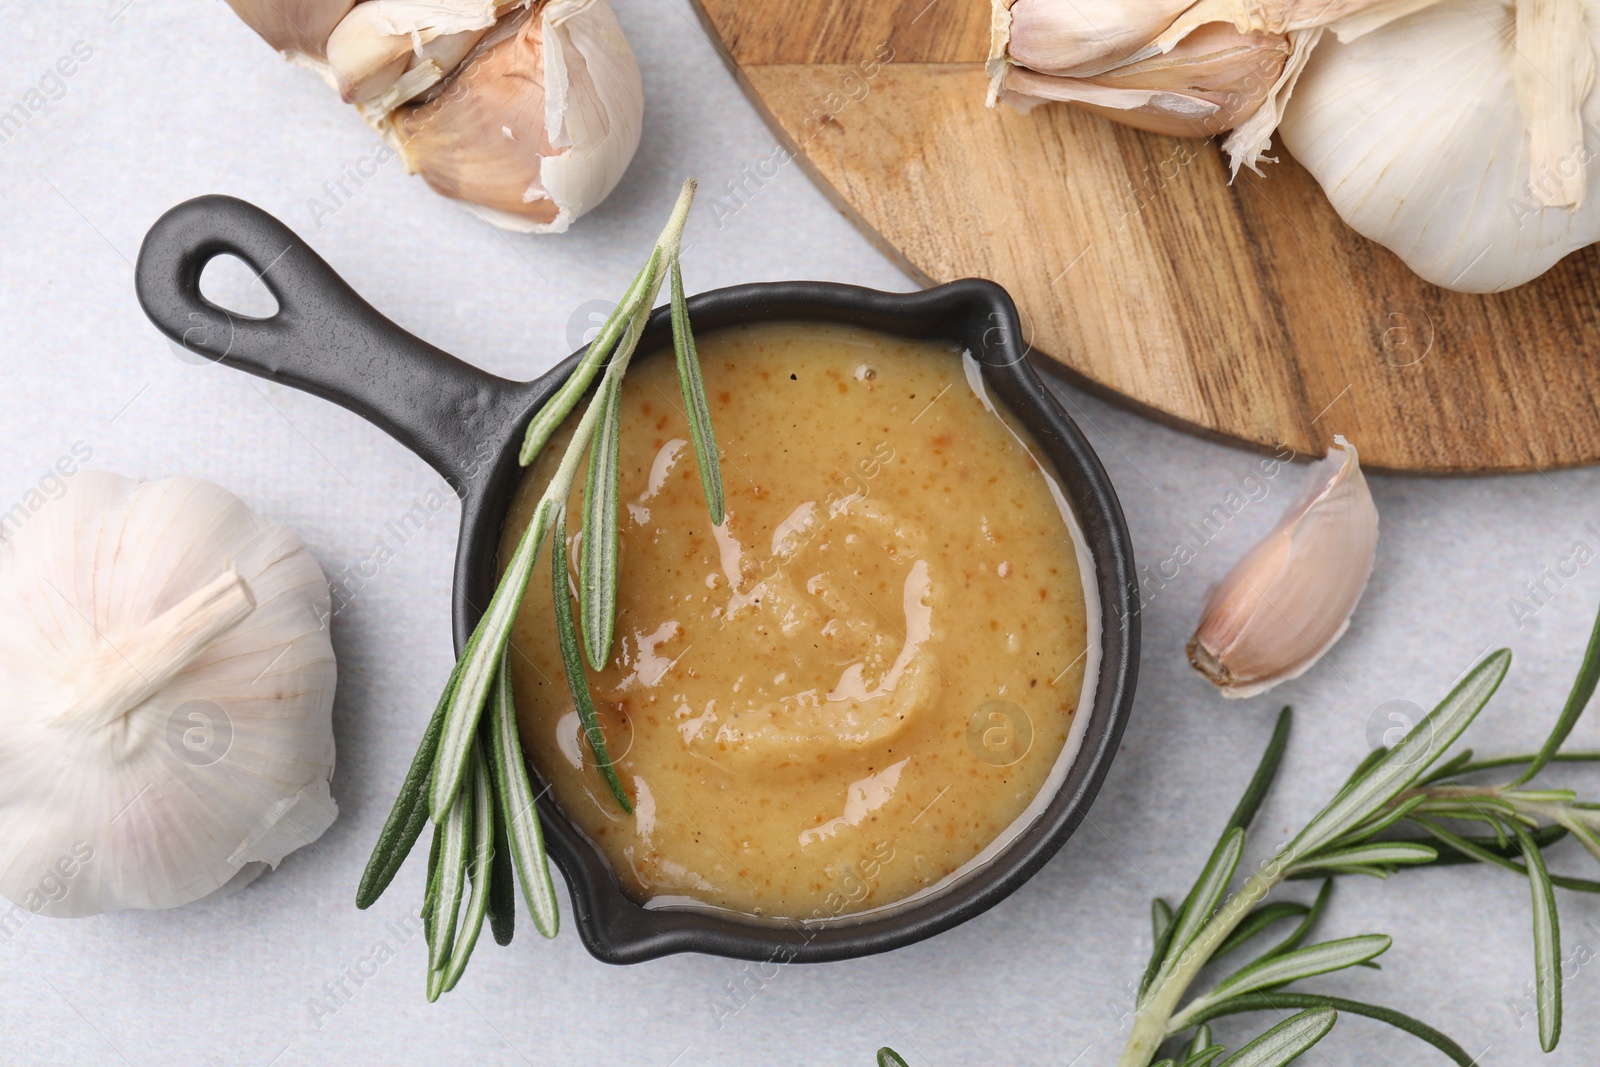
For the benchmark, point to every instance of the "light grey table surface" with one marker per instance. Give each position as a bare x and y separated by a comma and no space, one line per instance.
178,99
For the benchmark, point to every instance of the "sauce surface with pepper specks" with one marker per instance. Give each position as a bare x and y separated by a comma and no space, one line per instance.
860,680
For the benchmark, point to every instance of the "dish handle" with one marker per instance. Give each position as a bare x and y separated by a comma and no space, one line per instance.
323,339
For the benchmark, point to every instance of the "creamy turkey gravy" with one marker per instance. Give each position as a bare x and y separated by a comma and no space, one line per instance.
864,677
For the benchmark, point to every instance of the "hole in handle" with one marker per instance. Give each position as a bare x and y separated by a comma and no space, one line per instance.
234,287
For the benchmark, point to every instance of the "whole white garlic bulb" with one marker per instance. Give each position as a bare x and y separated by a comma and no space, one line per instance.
1418,137
169,685
529,109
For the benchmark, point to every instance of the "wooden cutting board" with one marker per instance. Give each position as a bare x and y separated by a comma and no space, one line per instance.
1248,311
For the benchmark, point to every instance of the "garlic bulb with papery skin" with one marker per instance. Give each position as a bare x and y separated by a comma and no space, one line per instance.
169,682
1417,137
529,109
1290,598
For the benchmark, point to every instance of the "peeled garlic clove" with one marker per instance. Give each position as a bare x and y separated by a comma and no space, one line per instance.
293,27
1289,599
539,122
169,682
1208,83
1417,137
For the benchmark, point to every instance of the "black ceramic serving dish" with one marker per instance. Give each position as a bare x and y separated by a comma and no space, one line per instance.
468,426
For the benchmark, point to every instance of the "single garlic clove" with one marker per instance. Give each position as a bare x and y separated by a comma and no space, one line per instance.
537,124
1207,84
382,39
1086,37
448,52
365,56
1289,599
293,27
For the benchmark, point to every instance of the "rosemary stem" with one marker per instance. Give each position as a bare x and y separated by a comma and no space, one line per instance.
1154,1020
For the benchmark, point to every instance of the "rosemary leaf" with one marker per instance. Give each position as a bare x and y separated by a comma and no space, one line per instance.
1410,759
1168,1062
1546,941
1158,956
1377,854
482,841
1280,1002
1514,761
1578,699
1490,813
1260,918
1576,885
430,895
1449,856
1266,770
888,1057
1465,846
1321,958
1381,822
572,661
410,813
1539,796
1307,924
694,400
1285,1042
1449,769
502,877
1586,836
549,418
1202,1050
454,855
1207,892
597,563
517,810
1160,917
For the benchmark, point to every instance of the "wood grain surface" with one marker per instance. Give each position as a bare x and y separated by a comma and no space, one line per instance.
1246,311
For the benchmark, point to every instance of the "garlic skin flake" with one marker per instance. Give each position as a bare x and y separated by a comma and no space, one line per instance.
169,679
1290,598
1418,138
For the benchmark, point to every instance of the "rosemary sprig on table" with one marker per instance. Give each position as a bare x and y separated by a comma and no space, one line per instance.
469,776
1412,784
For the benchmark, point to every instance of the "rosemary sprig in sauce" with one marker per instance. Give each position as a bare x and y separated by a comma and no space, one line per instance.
469,776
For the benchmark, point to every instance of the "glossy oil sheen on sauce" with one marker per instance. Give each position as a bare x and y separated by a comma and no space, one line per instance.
855,684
